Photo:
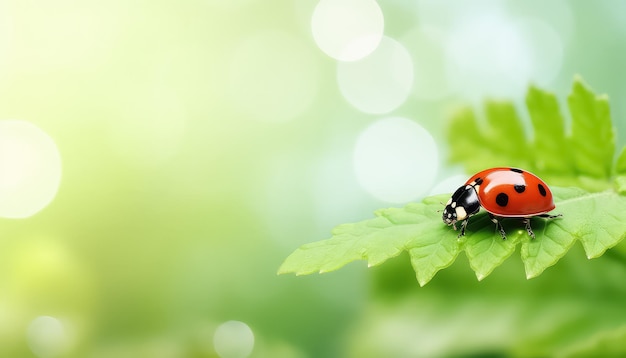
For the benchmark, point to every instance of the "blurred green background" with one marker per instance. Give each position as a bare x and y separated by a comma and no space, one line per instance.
159,160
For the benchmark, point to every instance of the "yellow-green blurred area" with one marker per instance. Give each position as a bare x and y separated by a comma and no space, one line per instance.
159,160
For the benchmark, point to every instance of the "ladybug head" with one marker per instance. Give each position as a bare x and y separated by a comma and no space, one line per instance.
449,215
453,213
462,204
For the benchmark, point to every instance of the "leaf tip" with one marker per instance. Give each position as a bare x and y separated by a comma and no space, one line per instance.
578,78
531,275
282,270
480,276
422,280
580,82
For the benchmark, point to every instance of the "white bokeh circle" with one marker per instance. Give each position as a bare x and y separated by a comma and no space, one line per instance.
233,339
488,56
380,82
30,167
47,337
347,30
547,49
427,49
494,54
449,184
396,160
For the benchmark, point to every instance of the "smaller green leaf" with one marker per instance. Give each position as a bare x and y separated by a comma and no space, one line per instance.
592,131
506,136
549,144
620,164
583,158
470,147
620,183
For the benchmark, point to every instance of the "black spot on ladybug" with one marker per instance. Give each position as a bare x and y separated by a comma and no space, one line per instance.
542,190
519,188
502,199
478,181
516,170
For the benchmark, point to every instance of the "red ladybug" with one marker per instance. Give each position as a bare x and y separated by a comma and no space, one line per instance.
503,193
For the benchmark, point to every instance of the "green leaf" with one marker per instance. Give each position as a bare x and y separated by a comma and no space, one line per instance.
506,137
584,158
620,183
597,220
593,138
594,213
486,252
549,133
620,165
416,228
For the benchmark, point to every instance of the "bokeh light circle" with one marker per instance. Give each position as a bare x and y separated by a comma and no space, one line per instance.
557,13
396,160
347,30
448,185
273,77
233,339
443,14
488,56
426,46
47,337
380,82
546,52
494,54
30,164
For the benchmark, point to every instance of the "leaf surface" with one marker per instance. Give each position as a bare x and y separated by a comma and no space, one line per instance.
593,138
597,220
577,165
583,158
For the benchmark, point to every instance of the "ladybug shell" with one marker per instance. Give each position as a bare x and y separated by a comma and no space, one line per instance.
512,192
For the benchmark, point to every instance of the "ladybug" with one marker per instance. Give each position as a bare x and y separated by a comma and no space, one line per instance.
503,192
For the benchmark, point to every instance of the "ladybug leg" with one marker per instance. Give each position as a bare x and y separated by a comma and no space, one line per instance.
527,222
548,216
463,225
529,230
498,226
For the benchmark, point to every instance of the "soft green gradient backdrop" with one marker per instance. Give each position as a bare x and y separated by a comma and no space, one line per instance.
194,161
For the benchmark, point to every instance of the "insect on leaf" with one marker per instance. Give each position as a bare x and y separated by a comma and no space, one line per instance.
432,246
594,213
